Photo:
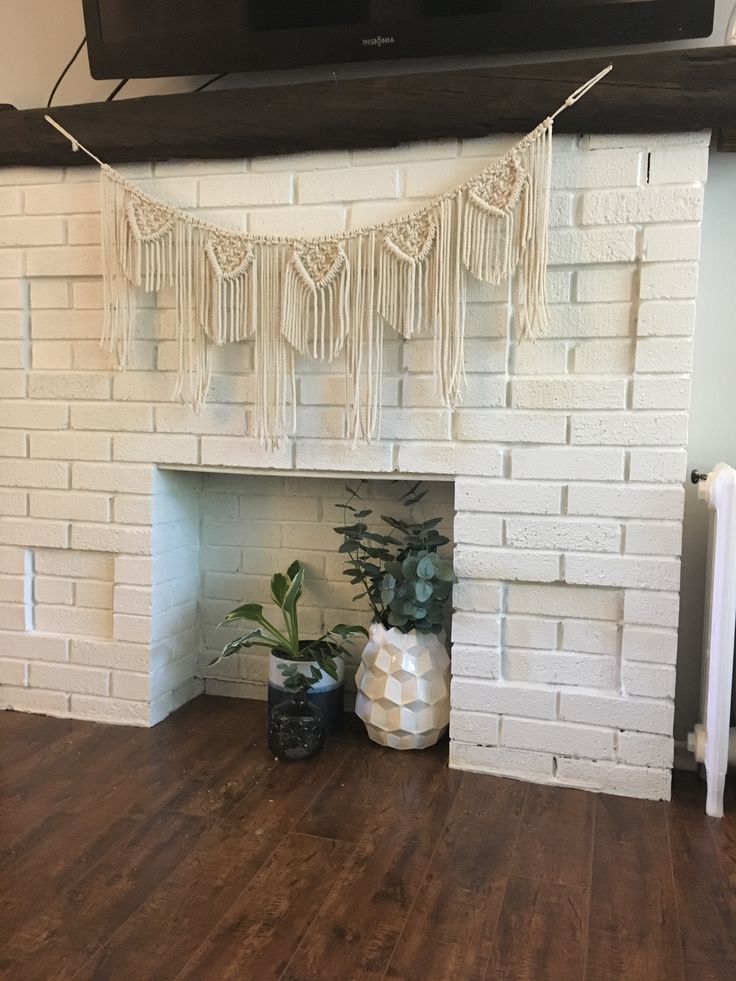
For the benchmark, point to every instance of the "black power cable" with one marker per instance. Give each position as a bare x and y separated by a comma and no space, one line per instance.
210,81
60,79
117,88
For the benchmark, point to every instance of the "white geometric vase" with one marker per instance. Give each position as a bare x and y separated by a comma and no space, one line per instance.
403,688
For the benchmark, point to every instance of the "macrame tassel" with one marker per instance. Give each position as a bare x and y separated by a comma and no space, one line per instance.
532,306
402,280
228,309
148,255
493,222
447,297
119,296
193,374
316,311
274,359
364,347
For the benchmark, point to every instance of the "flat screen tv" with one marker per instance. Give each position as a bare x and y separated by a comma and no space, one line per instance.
149,38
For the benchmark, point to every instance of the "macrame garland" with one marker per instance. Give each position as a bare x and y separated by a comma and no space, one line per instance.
332,296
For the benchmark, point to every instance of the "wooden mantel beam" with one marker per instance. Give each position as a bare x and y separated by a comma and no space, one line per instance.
667,91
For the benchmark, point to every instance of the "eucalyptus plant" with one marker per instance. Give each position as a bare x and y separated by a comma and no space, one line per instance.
405,582
286,589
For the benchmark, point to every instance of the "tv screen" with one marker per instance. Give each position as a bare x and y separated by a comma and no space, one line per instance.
148,38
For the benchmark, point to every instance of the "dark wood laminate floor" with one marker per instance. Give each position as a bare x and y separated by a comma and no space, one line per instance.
187,852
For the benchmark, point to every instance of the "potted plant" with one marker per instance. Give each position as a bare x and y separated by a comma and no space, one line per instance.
296,727
320,659
404,675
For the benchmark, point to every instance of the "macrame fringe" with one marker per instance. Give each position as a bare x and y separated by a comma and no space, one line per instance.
326,296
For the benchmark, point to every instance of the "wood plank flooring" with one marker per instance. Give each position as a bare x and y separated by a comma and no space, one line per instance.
188,852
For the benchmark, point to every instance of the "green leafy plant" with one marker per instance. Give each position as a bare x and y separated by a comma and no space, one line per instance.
286,589
405,582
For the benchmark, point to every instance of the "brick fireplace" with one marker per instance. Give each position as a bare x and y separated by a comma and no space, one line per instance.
567,455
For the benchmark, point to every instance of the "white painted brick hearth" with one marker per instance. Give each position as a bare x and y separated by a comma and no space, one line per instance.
567,458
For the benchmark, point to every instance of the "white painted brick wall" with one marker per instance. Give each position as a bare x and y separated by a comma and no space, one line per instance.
568,457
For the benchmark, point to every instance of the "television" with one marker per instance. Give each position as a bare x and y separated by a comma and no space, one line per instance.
153,38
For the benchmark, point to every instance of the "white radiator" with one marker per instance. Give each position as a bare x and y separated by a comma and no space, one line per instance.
712,738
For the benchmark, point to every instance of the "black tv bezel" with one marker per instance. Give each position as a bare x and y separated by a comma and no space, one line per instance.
621,23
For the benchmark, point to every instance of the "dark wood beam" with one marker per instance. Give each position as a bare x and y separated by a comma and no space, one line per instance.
667,91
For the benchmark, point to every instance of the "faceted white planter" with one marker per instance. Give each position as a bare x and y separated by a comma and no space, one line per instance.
404,688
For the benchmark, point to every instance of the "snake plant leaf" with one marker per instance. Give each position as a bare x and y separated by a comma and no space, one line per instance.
279,588
247,640
294,591
294,569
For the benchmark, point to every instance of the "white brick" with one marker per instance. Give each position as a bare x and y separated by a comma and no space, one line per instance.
577,246
646,749
560,668
639,714
609,570
429,179
70,620
12,323
65,677
661,393
108,654
12,673
540,358
53,590
54,355
219,420
131,686
133,509
137,570
12,443
68,385
156,448
34,415
340,455
629,429
245,190
553,737
567,463
51,294
665,317
66,325
649,644
476,628
126,478
69,563
10,201
643,205
596,168
405,423
70,260
655,609
530,632
509,496
650,680
475,662
12,561
516,763
665,355
13,503
19,232
480,529
591,637
568,393
137,600
665,243
480,563
500,698
604,357
358,183
616,778
606,285
112,418
97,595
33,531
64,198
12,385
654,537
115,710
224,451
482,391
626,501
590,320
509,426
564,601
444,458
477,597
678,165
34,700
33,646
474,727
564,535
669,281
109,538
70,446
71,505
